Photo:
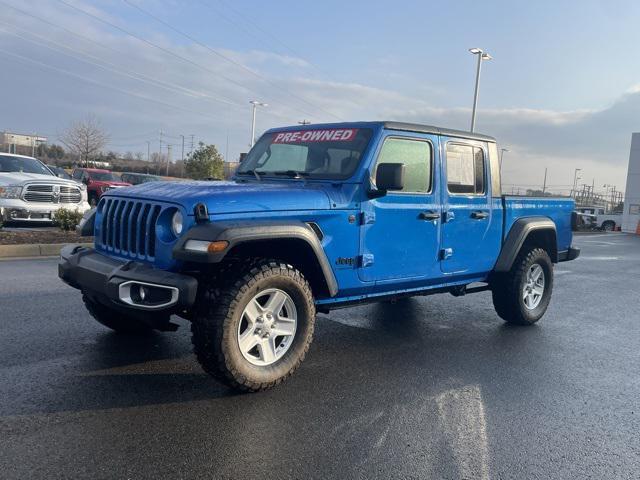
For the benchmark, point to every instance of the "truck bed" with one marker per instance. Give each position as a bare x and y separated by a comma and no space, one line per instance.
558,209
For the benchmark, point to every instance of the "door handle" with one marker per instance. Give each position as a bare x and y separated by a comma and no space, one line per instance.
429,215
479,215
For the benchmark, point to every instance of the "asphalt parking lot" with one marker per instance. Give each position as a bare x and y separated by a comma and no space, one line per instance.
434,387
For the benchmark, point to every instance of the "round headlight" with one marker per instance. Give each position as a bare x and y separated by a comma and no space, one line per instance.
176,223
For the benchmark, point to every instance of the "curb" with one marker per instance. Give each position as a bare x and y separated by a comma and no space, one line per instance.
34,250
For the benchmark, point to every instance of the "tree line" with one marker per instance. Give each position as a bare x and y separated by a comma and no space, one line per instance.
84,142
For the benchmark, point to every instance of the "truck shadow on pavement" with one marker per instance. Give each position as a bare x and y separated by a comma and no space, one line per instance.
381,347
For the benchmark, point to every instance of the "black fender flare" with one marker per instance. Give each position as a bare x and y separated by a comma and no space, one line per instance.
518,234
239,232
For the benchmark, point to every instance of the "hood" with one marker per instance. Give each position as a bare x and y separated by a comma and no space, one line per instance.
114,183
18,178
233,197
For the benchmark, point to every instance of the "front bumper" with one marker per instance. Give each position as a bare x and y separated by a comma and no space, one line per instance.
571,254
114,281
17,210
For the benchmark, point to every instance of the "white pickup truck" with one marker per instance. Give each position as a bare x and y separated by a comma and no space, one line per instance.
604,221
30,192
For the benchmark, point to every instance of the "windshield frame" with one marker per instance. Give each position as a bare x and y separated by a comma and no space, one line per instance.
39,168
247,168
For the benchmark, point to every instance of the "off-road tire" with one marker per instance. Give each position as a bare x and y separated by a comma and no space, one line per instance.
113,319
506,288
218,309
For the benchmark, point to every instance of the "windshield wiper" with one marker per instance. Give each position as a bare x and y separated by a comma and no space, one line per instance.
291,173
251,172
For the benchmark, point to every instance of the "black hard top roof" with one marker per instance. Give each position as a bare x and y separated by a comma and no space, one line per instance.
416,127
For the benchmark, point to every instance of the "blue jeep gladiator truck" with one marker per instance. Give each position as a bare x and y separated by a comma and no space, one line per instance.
317,217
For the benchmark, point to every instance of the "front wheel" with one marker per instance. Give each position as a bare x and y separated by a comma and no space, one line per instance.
521,296
255,332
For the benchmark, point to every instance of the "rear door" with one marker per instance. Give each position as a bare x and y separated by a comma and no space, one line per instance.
472,223
400,231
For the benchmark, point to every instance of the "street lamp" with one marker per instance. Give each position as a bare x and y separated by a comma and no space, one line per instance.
255,104
502,150
482,55
575,181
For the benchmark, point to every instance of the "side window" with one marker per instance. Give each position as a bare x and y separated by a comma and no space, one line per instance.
465,169
77,174
416,156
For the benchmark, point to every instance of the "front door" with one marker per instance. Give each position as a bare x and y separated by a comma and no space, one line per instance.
471,230
400,231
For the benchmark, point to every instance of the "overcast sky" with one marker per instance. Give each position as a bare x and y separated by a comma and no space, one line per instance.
562,92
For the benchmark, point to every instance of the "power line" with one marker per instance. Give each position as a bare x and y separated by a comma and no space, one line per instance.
154,45
256,26
215,52
111,87
113,68
145,78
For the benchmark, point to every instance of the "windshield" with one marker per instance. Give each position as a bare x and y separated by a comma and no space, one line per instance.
59,172
22,165
324,153
103,176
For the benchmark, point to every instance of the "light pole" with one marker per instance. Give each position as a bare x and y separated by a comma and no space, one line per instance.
482,55
255,104
502,150
575,181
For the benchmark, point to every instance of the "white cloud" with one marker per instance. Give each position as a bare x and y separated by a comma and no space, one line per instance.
595,140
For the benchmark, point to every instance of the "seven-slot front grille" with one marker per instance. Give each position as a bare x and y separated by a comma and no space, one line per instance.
128,227
47,193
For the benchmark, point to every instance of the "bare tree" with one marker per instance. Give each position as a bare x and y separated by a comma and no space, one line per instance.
85,138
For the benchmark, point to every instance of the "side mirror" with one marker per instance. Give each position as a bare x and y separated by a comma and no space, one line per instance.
389,176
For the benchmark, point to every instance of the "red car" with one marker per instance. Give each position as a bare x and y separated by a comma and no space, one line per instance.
97,181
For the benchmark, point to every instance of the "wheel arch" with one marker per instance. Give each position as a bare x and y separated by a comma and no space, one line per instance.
528,232
293,242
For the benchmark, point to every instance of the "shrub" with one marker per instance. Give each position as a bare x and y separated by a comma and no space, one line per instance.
67,219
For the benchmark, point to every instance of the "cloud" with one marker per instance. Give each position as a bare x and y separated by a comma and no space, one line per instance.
203,94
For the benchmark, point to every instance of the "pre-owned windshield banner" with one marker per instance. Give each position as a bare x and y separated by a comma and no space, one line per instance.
305,136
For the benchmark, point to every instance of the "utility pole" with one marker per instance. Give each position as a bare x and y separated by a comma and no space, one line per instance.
254,104
226,149
168,157
544,184
502,150
33,145
148,154
482,55
182,158
575,181
191,151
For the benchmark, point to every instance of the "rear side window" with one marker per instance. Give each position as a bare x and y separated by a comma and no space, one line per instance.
416,156
77,174
465,169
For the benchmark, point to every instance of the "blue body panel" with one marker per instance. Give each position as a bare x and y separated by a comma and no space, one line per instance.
392,250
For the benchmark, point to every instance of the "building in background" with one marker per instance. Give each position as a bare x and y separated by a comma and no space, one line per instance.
631,214
23,144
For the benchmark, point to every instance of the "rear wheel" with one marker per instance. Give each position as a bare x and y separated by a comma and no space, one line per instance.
608,226
254,332
521,296
114,319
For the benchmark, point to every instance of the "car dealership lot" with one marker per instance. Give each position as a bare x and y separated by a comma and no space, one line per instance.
433,387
